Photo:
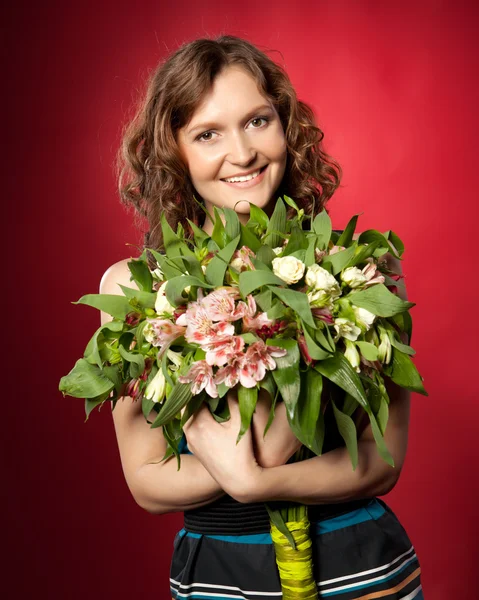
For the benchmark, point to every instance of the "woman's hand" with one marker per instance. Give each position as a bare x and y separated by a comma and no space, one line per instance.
232,465
280,443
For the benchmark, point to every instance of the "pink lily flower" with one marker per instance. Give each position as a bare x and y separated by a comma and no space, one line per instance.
220,305
253,321
372,274
259,357
235,371
200,376
223,349
200,329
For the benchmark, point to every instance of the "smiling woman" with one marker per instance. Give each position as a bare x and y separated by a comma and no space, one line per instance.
213,111
220,125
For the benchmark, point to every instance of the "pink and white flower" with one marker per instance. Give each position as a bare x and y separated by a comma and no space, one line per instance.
200,376
259,358
235,371
223,349
220,305
253,321
200,329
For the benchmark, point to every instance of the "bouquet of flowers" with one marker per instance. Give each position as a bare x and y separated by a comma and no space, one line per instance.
278,304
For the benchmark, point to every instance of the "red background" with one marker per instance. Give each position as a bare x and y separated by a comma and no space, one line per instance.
394,86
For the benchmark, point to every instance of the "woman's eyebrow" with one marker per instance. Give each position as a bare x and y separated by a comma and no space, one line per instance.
212,124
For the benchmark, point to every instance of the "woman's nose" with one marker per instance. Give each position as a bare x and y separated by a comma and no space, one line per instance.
241,150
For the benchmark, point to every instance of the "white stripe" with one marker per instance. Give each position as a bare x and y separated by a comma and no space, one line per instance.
210,594
224,587
364,581
413,594
368,572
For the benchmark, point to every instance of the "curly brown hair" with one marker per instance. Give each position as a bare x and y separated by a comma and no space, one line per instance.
153,178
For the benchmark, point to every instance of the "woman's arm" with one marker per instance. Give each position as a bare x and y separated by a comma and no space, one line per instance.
156,487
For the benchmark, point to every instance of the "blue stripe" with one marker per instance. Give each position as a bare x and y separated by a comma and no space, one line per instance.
373,511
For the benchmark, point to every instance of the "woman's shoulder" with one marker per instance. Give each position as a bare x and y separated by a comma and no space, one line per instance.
117,273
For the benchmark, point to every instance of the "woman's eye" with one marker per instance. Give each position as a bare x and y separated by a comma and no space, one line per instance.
202,138
259,119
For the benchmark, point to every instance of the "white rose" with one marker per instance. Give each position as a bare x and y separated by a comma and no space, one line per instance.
321,279
289,268
364,317
353,277
156,389
162,305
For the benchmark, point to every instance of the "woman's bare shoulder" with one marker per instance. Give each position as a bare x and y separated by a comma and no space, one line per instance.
117,273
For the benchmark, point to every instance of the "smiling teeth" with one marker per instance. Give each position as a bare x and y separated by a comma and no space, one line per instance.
245,178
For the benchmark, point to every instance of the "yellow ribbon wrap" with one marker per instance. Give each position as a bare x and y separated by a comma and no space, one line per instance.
295,566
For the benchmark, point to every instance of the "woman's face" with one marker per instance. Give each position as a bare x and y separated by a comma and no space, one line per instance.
234,132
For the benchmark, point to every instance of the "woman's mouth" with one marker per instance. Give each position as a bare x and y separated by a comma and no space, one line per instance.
248,180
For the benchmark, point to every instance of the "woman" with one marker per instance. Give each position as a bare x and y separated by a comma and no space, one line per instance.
221,121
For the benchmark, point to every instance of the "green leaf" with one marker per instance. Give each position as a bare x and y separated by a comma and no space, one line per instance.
379,300
85,381
216,268
297,241
180,395
141,274
404,373
92,348
266,255
247,398
264,300
347,429
137,362
139,299
173,244
257,214
249,239
92,403
232,224
175,286
368,350
346,236
314,350
277,520
309,407
198,233
219,234
193,406
322,228
291,203
252,280
168,268
298,301
277,223
113,304
338,261
339,370
380,443
286,375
